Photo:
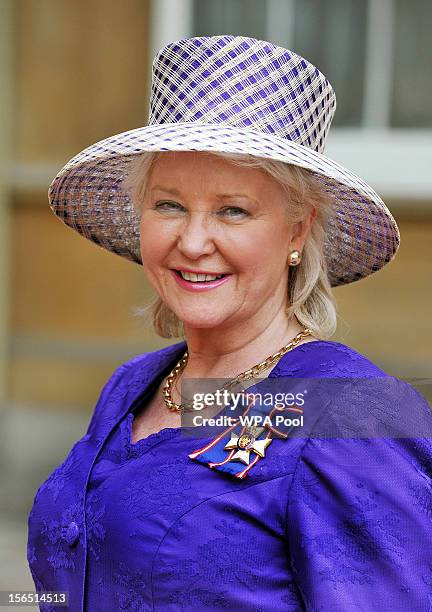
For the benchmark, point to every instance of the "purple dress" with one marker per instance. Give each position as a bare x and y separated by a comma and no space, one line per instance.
321,523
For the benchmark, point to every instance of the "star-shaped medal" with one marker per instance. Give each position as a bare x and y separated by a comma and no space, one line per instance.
247,442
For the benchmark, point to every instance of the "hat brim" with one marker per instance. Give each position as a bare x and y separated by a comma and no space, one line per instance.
87,194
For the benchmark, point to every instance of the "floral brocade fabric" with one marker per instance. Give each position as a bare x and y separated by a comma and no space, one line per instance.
321,523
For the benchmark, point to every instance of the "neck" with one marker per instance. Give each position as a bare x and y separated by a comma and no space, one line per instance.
224,353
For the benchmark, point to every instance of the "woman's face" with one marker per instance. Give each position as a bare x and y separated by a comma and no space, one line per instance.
202,214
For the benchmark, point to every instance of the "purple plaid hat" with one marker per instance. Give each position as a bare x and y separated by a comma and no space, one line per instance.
238,95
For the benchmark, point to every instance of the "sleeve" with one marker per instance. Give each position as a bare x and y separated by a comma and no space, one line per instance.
359,518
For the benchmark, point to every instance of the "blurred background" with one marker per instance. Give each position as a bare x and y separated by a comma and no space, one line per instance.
76,71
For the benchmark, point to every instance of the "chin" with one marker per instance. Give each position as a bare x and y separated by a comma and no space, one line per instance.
201,320
201,323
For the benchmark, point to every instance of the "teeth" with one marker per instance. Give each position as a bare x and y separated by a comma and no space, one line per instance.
190,276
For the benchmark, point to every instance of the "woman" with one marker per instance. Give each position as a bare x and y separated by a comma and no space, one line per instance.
242,226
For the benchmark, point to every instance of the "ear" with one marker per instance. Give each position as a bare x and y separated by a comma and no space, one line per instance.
301,229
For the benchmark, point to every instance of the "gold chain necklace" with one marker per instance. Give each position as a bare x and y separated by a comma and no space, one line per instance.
247,374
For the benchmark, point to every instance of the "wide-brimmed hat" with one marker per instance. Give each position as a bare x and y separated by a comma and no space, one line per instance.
236,95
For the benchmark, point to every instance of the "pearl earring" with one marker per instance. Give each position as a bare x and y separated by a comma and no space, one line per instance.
294,258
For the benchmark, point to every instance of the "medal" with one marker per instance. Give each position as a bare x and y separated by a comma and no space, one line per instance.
239,447
242,441
246,443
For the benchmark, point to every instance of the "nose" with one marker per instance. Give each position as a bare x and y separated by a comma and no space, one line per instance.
196,237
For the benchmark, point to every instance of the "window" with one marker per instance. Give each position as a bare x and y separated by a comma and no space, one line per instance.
376,53
412,80
212,17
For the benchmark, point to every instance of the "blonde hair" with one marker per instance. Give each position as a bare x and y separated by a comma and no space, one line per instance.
310,296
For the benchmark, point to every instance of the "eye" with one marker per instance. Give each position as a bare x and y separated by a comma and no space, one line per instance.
168,206
233,212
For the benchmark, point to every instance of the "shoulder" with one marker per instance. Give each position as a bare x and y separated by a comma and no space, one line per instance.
327,359
156,360
134,373
343,360
147,364
355,397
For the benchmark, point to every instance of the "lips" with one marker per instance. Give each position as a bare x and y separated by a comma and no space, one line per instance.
198,285
196,277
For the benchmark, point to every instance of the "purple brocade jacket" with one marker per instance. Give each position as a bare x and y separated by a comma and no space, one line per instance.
328,521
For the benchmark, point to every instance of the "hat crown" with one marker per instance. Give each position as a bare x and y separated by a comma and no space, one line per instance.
242,82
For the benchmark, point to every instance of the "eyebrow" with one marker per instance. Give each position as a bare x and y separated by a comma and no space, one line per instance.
175,192
172,191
